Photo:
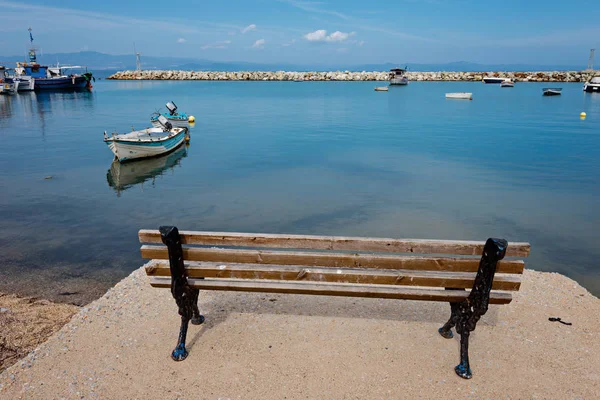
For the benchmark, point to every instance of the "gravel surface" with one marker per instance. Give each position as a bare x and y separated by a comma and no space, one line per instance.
264,346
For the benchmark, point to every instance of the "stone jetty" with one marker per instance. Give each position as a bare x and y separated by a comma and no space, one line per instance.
551,76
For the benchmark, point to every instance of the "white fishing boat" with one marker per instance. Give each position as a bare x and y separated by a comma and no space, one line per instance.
507,83
593,86
398,77
381,89
460,96
149,142
180,120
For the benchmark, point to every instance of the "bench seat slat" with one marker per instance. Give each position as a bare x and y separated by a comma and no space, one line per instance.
339,243
338,260
458,280
331,289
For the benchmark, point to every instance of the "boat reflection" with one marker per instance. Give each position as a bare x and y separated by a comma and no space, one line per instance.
123,176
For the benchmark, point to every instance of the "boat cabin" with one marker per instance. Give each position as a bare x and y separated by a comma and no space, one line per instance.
35,70
397,73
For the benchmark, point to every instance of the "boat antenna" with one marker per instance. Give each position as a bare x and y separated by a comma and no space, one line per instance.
591,60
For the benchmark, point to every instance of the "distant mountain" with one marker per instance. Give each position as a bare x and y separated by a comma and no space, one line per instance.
100,61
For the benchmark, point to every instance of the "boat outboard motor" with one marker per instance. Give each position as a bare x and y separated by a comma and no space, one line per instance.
171,107
167,126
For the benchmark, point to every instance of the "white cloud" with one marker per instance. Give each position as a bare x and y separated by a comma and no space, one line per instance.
217,45
361,42
289,44
181,40
249,28
259,44
321,36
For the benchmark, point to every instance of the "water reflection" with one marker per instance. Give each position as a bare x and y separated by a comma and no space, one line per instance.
123,176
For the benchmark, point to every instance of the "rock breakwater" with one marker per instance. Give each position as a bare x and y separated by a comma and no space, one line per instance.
549,76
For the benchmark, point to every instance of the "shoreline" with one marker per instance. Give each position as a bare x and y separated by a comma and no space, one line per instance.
525,76
257,345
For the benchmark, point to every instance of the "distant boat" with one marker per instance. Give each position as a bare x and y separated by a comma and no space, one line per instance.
381,89
149,142
398,77
7,83
180,120
488,79
460,96
53,78
593,86
552,91
22,82
507,83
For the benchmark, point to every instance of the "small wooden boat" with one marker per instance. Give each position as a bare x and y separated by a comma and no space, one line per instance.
507,83
552,91
489,79
180,120
381,89
149,142
460,96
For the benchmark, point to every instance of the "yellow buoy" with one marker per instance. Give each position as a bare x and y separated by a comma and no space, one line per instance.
582,115
191,119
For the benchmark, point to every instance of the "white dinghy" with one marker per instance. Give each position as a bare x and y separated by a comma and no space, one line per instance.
149,142
460,96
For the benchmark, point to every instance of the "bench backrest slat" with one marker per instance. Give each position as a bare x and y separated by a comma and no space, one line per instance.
336,243
337,260
456,280
348,290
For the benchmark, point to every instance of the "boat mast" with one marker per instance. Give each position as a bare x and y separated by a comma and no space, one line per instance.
591,60
138,62
32,55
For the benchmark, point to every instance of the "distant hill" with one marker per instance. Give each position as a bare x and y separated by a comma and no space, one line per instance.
110,62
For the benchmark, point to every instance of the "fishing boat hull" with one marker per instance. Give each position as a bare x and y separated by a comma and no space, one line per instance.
25,84
61,83
591,88
399,81
126,150
493,80
460,96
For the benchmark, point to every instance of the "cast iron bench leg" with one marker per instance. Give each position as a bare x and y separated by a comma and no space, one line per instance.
185,297
466,313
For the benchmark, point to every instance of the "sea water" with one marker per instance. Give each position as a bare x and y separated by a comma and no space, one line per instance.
306,158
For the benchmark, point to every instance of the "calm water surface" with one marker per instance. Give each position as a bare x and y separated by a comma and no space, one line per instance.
306,158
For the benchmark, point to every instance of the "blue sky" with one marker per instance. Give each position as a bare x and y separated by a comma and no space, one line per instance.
312,32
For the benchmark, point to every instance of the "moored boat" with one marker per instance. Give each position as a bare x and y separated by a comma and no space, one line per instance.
7,83
398,77
507,83
460,96
593,86
149,142
491,79
180,120
552,91
53,78
381,89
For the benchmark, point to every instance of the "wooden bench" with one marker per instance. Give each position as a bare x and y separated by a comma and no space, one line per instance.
336,266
